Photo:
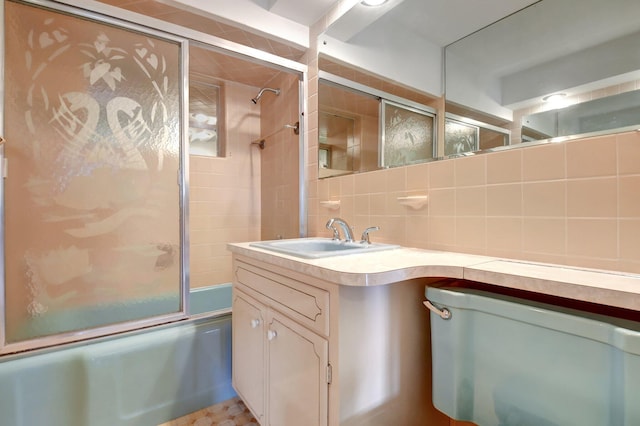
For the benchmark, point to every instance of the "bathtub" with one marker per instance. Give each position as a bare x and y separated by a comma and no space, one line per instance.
140,378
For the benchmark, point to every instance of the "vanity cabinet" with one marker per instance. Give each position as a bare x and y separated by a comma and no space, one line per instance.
366,311
249,352
307,351
297,388
280,347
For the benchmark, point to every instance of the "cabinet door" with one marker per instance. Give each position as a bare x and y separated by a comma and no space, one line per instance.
248,361
297,382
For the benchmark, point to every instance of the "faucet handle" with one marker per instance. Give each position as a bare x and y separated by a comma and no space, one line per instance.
365,234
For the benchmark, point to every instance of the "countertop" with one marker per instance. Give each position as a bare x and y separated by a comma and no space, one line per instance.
610,288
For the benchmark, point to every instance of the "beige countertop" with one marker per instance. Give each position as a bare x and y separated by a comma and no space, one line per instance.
610,288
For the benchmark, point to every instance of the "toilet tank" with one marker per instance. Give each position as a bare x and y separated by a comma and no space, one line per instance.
506,361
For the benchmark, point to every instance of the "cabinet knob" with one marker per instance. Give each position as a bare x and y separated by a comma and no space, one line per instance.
271,334
255,323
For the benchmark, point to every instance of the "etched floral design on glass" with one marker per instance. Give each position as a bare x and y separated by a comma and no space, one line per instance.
92,198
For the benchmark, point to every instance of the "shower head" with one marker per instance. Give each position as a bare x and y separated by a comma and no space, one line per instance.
266,89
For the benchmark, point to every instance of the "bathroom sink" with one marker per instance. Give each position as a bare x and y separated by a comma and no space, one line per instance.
314,248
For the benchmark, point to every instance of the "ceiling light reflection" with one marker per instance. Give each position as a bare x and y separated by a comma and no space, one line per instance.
374,2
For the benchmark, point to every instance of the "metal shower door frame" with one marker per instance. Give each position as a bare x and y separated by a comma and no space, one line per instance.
133,21
100,331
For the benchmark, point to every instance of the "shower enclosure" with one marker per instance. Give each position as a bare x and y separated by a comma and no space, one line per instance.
93,237
95,199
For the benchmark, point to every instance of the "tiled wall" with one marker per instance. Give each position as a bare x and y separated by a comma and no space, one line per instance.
250,194
280,160
224,193
574,203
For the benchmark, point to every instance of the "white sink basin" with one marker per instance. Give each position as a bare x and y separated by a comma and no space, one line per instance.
313,248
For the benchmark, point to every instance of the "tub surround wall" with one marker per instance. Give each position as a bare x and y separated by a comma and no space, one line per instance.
224,192
279,183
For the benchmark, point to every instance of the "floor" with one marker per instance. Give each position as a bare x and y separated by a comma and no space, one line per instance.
228,413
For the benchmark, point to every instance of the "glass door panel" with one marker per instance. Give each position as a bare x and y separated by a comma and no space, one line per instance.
92,122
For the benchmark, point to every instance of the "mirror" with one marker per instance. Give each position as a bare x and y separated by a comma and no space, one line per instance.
556,68
408,135
497,70
402,40
347,130
609,113
363,128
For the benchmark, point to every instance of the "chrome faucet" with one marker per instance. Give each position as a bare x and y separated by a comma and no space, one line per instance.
365,234
346,230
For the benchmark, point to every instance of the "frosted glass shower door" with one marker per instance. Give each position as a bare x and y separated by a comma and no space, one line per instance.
92,201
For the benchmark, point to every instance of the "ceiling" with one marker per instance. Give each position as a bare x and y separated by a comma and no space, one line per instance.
439,22
305,12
